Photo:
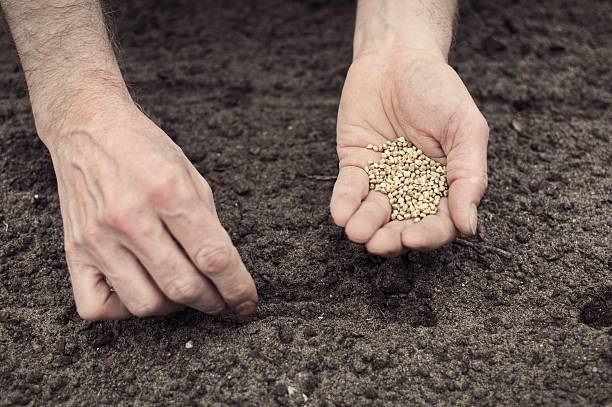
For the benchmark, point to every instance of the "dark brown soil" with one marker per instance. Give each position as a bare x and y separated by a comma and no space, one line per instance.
519,316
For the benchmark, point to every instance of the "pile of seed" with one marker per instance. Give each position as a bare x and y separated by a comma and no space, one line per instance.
413,182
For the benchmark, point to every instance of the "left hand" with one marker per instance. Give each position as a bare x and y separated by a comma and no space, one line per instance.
420,97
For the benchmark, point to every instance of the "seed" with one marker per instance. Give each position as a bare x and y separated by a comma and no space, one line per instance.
413,182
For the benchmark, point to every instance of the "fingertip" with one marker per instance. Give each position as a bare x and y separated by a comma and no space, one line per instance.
431,232
473,220
102,307
342,207
93,297
350,189
414,241
385,242
246,309
462,200
114,308
462,218
357,231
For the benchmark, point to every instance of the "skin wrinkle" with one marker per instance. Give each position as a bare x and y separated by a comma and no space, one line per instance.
435,12
393,124
440,151
422,134
367,127
452,122
350,160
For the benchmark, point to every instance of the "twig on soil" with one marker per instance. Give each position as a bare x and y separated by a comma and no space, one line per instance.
321,177
484,247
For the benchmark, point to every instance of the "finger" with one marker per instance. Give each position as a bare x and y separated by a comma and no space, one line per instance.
373,213
132,283
93,297
210,248
431,232
397,237
357,156
387,241
202,189
205,194
172,271
352,183
467,172
350,189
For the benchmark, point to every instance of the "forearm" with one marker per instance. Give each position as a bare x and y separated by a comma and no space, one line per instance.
67,59
393,25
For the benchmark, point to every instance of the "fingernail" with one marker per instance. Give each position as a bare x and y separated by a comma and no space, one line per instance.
474,220
245,309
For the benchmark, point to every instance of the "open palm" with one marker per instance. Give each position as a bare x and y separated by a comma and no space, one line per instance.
420,97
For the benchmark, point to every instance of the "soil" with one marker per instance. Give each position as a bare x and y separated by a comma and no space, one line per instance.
521,315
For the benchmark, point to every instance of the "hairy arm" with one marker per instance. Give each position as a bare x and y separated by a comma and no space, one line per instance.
405,24
67,58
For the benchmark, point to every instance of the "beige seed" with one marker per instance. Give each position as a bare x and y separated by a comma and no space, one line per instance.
413,182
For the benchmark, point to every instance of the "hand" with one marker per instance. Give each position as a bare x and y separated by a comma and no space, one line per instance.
138,214
418,96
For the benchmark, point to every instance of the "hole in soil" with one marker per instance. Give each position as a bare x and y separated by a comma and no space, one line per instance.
425,317
597,313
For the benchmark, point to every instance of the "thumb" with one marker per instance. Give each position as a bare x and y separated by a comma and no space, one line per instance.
466,170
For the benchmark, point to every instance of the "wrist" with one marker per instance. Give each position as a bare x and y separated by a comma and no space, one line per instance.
391,26
77,104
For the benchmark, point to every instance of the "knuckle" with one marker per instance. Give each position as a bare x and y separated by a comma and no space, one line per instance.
481,181
145,308
355,234
165,186
238,292
122,217
207,193
206,188
183,290
214,259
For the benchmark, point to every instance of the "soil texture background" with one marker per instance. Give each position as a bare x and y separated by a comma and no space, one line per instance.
520,315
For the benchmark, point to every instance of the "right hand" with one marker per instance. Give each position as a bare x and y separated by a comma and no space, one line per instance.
139,216
416,95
